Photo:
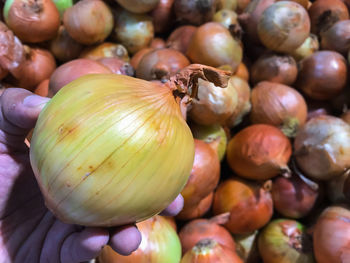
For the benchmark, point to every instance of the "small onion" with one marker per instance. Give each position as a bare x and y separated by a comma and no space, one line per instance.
285,241
159,243
337,37
249,204
209,250
197,210
194,12
310,46
275,68
259,152
180,38
105,50
284,26
332,235
88,21
322,75
138,6
163,16
322,147
278,105
32,21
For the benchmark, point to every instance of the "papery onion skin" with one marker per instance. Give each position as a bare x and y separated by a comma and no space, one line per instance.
138,6
259,152
128,132
180,38
159,243
105,50
322,147
331,235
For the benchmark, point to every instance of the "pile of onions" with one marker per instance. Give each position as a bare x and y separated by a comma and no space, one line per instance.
259,152
322,147
109,136
159,243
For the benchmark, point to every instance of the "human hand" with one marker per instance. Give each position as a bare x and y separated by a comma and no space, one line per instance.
29,232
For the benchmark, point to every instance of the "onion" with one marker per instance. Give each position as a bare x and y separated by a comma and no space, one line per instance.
180,38
107,137
138,6
322,147
136,58
259,152
310,46
213,45
88,21
163,16
105,50
322,75
285,241
157,43
209,250
332,235
284,26
242,72
159,243
134,31
275,68
161,64
118,66
278,105
197,210
32,20
325,13
249,204
72,70
228,18
194,12
43,88
63,47
337,37
199,229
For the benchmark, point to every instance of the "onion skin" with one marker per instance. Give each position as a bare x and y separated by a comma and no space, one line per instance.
194,12
331,235
210,251
159,243
163,16
88,21
85,191
32,21
138,6
105,50
322,75
72,70
337,37
284,26
213,45
180,38
278,105
322,147
259,152
310,46
197,210
249,204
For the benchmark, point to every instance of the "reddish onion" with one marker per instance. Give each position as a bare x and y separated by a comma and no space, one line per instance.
163,16
322,147
249,204
194,12
117,66
337,37
43,88
105,50
322,75
161,64
197,210
275,68
180,38
332,235
278,105
259,152
136,58
202,228
32,20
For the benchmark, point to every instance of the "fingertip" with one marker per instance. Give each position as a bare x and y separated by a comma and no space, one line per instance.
175,207
125,240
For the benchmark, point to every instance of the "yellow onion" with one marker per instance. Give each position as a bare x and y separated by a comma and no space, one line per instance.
159,243
110,149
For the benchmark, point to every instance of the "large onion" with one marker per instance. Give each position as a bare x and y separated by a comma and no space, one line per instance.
104,143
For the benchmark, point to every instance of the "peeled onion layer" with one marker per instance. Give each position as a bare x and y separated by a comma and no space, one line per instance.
110,149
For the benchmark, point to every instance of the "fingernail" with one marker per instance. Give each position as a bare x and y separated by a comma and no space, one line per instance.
35,101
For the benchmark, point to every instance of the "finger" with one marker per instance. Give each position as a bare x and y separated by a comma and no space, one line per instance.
124,240
175,207
84,245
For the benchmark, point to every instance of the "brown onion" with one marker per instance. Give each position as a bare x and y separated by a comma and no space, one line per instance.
275,68
322,147
63,47
331,236
209,250
194,12
43,88
136,58
105,50
32,20
213,45
180,38
325,13
157,42
161,64
322,75
259,152
278,105
284,26
134,31
310,46
249,204
197,210
163,16
88,21
202,228
72,70
138,6
337,37
118,66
